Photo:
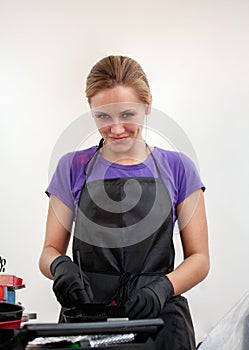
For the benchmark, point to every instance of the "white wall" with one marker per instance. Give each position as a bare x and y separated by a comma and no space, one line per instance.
196,56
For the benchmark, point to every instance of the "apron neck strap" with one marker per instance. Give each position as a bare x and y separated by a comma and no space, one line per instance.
93,159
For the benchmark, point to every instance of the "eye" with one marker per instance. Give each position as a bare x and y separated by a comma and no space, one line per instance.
102,116
127,115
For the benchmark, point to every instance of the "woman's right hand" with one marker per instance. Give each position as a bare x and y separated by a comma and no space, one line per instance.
71,287
54,263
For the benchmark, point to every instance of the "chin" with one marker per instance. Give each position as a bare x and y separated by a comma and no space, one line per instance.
121,146
120,149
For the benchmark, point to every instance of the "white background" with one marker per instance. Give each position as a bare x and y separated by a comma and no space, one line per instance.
196,56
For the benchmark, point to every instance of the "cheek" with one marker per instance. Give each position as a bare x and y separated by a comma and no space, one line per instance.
135,128
103,128
130,125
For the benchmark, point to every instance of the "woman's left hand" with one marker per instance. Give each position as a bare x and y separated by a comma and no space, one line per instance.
149,300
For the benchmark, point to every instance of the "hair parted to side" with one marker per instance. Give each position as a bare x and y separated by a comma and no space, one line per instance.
111,71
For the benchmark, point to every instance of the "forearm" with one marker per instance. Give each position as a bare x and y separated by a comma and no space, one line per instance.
59,222
189,273
194,237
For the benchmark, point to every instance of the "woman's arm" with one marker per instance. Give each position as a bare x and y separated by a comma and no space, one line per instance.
194,236
58,228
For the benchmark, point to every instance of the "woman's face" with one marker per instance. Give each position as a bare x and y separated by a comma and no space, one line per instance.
119,116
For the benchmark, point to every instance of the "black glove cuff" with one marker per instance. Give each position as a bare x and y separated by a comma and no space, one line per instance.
163,288
170,287
57,261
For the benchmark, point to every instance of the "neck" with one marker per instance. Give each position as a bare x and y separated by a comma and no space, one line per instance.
135,155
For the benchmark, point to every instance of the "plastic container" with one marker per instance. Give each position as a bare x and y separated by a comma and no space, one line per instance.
11,281
10,312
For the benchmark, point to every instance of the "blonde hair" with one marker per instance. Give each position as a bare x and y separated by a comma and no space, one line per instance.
118,70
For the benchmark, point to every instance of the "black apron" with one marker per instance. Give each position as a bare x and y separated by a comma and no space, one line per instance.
124,237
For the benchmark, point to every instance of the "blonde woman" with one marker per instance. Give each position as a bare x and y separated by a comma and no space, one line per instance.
125,197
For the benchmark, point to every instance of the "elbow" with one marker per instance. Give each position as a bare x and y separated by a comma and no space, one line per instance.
41,265
44,266
205,267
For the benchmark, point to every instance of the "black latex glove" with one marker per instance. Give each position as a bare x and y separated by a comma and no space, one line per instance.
69,289
148,301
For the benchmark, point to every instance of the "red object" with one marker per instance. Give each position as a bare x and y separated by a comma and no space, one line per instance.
11,324
10,281
1,292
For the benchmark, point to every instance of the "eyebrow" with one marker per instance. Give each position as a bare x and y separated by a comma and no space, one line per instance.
122,112
128,110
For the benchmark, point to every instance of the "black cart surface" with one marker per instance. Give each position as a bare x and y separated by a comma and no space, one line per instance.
144,331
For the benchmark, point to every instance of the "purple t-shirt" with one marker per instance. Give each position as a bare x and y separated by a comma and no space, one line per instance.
177,171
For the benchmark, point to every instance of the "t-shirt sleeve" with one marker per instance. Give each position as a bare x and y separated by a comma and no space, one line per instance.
188,178
60,184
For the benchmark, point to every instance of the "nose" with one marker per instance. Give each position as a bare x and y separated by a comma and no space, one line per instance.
117,128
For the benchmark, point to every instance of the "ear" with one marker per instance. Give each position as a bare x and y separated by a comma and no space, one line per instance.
148,107
148,110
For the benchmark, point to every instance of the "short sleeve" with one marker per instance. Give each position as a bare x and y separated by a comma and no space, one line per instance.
60,184
188,178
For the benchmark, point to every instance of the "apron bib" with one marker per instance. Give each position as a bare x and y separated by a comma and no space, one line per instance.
124,237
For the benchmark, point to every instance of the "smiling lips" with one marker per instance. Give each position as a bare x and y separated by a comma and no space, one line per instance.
118,139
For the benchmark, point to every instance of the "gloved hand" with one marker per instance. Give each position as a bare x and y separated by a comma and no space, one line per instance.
149,300
68,286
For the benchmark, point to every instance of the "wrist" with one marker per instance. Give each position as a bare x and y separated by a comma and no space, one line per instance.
163,289
170,287
57,261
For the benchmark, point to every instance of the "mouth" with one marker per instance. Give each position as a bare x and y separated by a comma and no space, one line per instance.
118,139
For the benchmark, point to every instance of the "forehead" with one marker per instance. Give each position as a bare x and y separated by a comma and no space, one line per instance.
117,95
119,108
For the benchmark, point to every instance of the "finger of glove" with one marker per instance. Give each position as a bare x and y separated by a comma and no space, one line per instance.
135,307
79,297
74,298
85,291
143,306
154,301
68,294
64,283
63,296
129,305
79,294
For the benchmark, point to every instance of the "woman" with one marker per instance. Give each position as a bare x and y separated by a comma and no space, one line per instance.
125,197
